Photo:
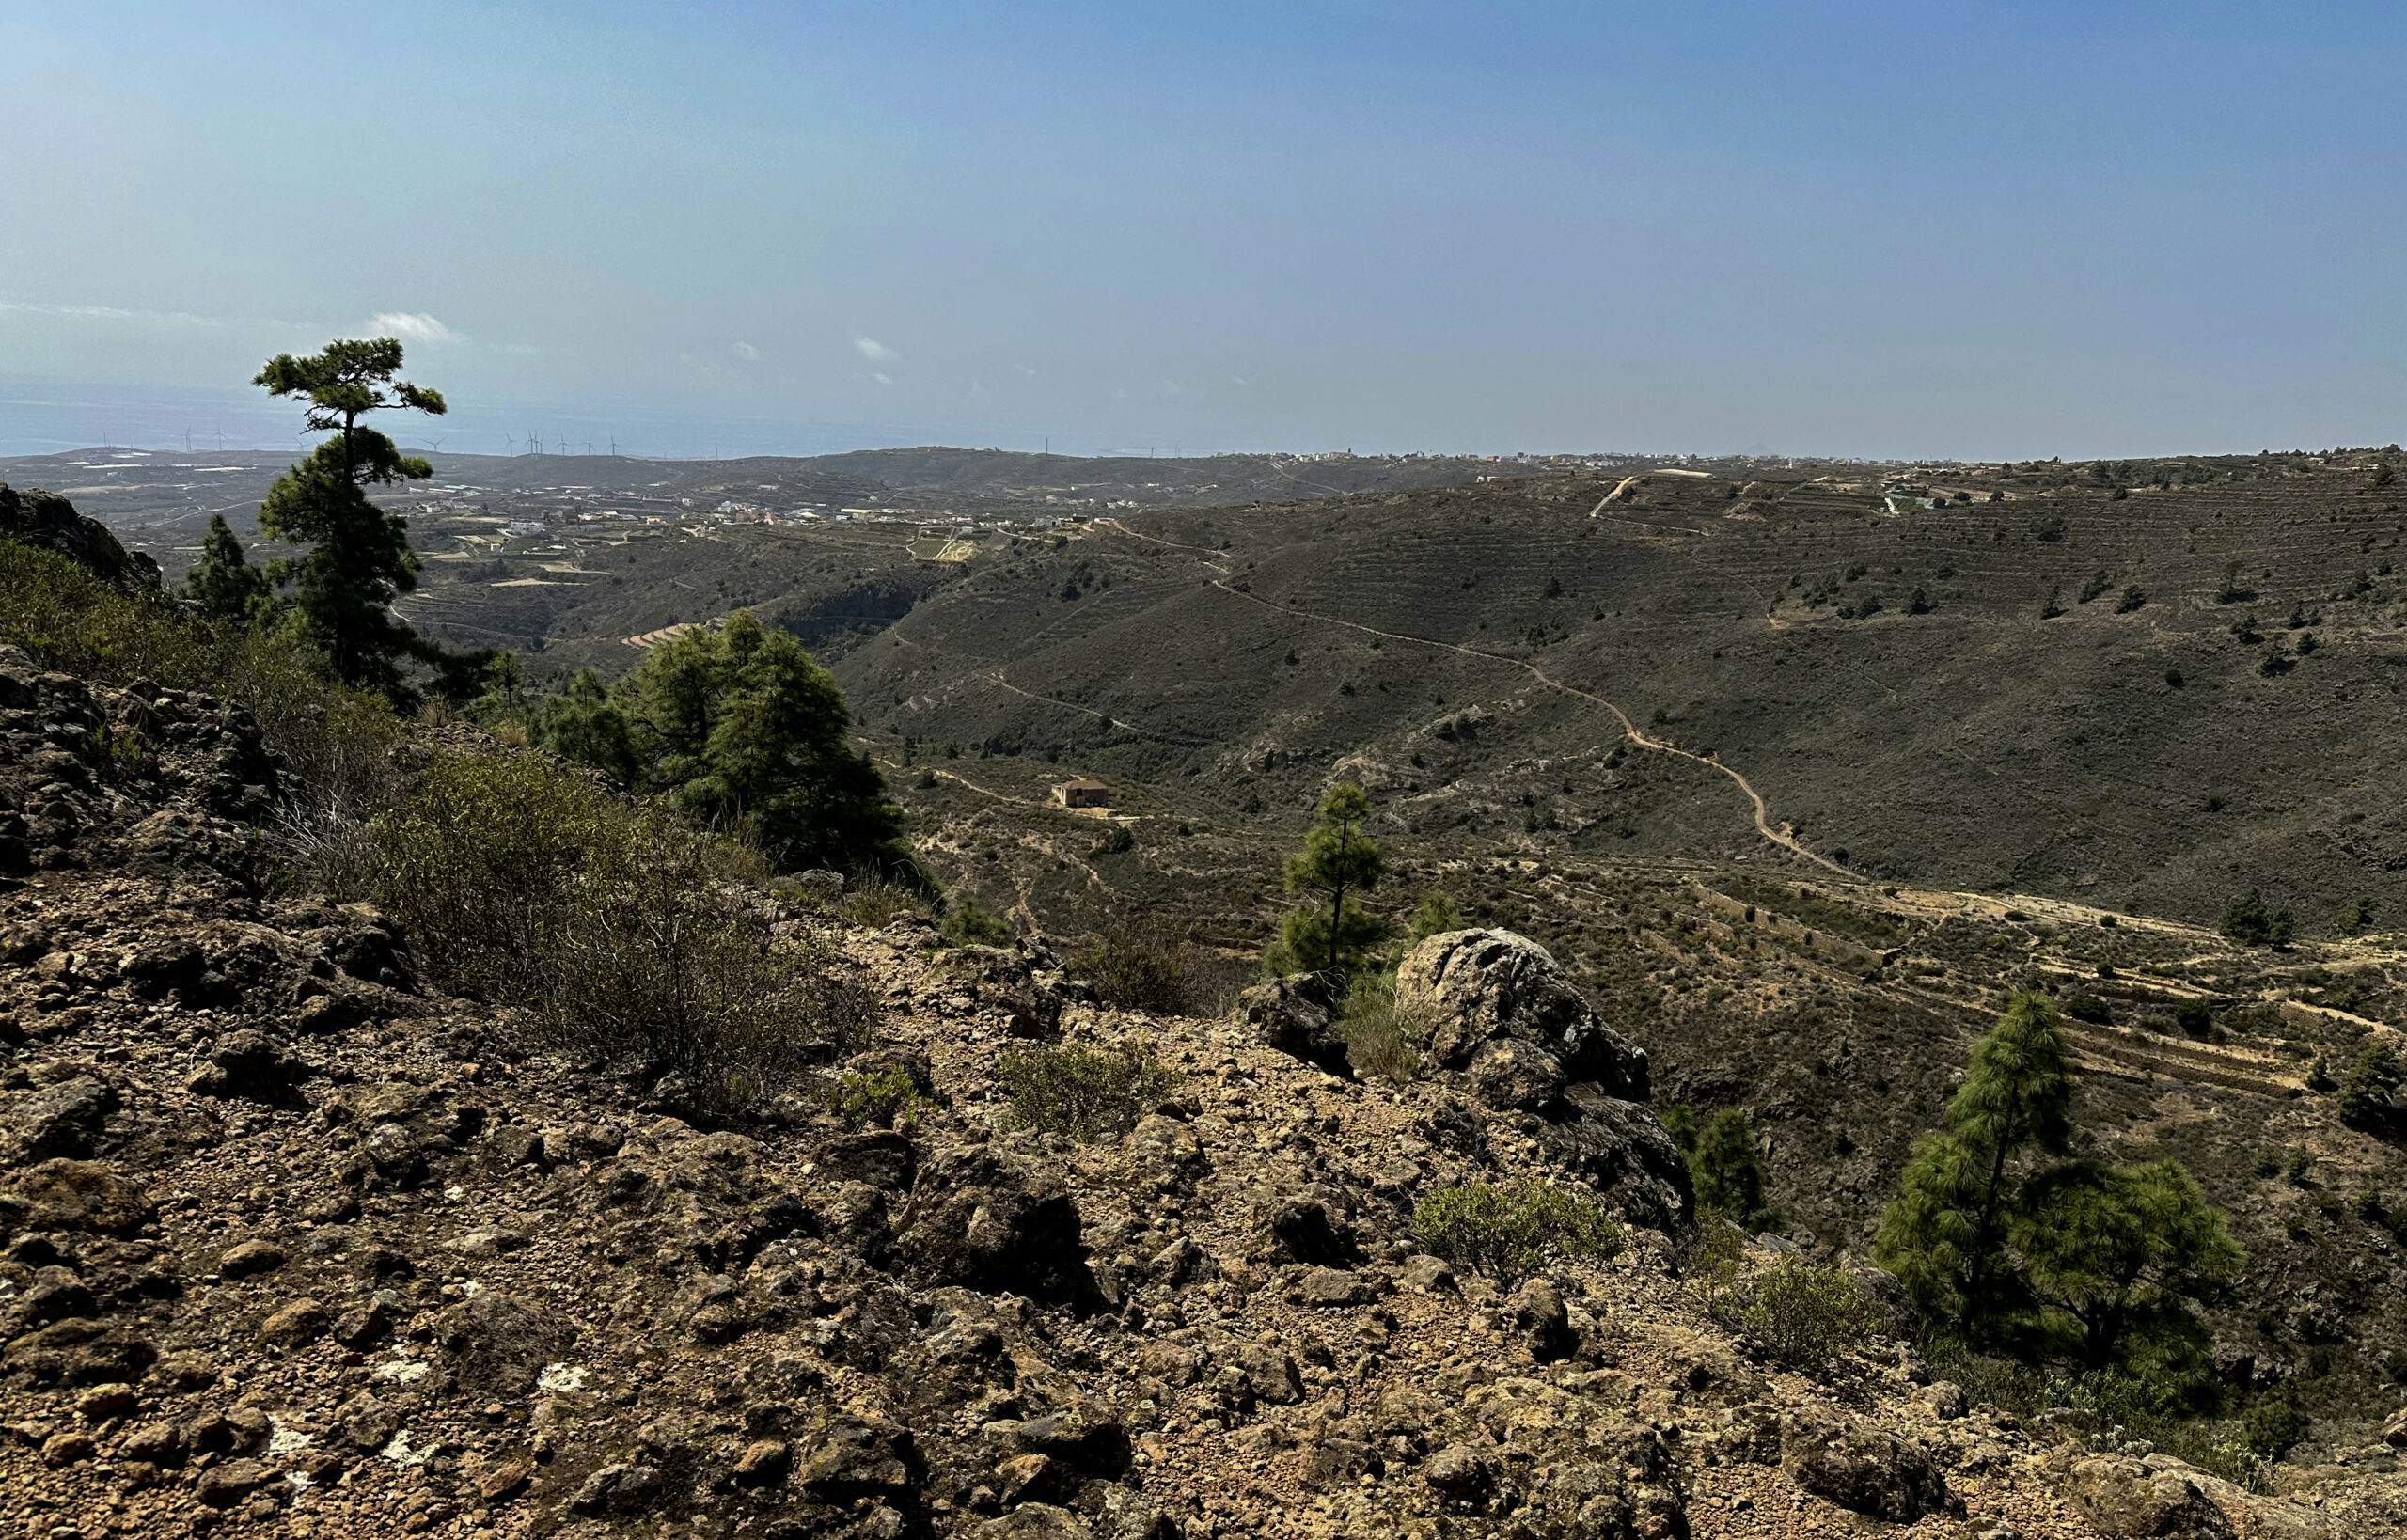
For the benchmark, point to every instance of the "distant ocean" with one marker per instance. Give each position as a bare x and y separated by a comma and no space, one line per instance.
49,416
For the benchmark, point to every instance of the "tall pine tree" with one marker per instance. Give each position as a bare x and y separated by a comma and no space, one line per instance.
1945,1236
359,561
2002,1242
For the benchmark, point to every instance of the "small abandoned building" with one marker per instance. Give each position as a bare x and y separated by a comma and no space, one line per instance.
1079,792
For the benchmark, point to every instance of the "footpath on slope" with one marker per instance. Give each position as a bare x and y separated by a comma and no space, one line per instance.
1776,835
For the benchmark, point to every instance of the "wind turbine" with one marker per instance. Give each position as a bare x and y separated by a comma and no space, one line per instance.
511,441
614,446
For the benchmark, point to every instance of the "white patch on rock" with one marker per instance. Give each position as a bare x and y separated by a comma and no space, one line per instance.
285,1441
558,1379
399,1451
402,1371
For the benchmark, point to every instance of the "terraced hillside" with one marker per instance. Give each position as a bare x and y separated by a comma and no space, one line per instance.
1836,1011
2055,679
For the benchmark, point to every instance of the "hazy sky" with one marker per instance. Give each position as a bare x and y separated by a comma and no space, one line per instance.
1906,228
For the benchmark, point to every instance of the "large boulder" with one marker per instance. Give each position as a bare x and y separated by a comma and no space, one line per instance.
1862,1467
50,522
1496,1009
2125,1499
1469,989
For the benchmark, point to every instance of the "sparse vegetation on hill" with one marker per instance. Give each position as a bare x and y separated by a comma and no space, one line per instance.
585,1031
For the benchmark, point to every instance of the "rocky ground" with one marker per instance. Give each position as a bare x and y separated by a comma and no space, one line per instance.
290,1243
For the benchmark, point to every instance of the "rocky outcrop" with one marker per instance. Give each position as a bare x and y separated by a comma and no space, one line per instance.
2127,1500
1496,1009
1484,996
50,522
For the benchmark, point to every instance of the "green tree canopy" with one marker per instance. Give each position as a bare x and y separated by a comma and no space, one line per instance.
359,561
223,583
1945,1236
738,727
2115,1256
2002,1241
1725,1171
1326,936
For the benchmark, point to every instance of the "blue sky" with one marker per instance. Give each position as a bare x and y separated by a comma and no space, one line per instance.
1862,228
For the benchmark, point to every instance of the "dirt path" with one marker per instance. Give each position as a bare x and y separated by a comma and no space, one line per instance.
1777,835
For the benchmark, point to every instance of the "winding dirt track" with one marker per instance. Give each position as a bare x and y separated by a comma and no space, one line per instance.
1775,834
1778,835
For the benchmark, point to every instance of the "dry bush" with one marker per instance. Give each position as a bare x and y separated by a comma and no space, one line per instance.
1138,970
623,932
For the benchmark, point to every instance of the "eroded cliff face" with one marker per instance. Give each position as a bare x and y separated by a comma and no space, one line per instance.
293,1243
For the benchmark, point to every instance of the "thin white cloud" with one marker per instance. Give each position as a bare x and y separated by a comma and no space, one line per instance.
119,312
881,379
411,326
1239,381
873,350
744,351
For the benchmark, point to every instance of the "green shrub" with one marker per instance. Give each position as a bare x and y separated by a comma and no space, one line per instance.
620,930
2372,1094
1081,1091
67,619
970,923
866,1097
1511,1231
1138,970
1726,1173
2248,921
2089,1008
1806,1315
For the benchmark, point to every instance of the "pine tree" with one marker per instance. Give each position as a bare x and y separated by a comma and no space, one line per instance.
585,723
223,583
2116,1256
1727,1173
1945,1234
359,561
738,728
2096,1265
1338,859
